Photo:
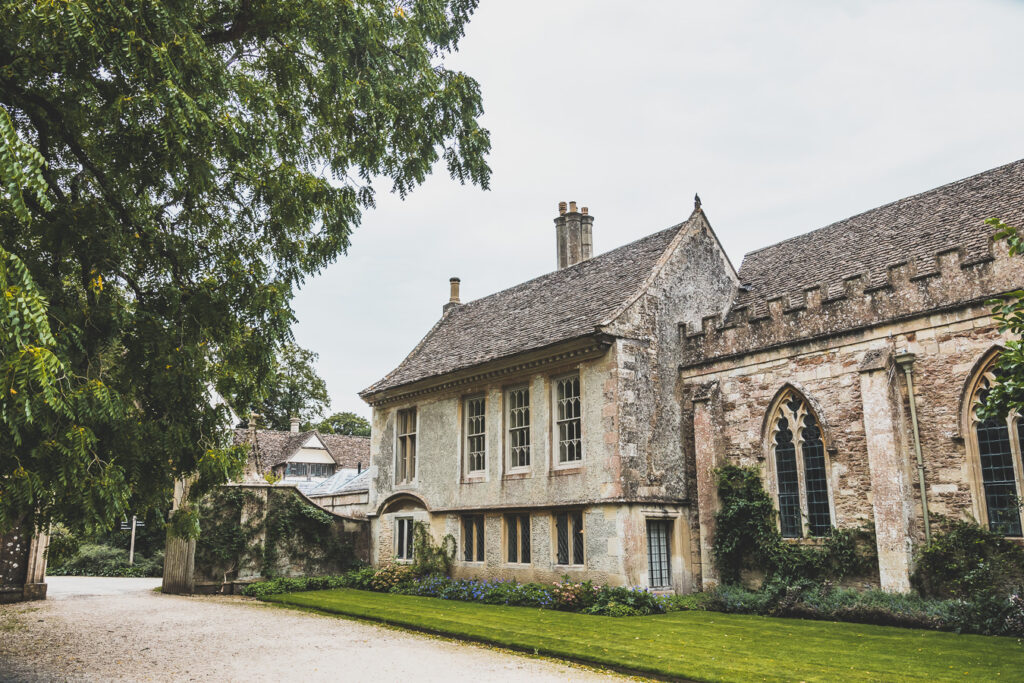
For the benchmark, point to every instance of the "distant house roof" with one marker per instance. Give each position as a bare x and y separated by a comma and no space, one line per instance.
566,304
274,447
914,230
342,482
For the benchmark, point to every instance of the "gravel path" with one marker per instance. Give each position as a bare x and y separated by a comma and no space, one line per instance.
95,629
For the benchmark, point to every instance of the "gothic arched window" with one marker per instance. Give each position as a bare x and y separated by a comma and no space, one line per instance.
995,452
801,468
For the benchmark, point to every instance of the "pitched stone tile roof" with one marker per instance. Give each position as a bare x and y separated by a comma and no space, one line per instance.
912,230
562,305
274,447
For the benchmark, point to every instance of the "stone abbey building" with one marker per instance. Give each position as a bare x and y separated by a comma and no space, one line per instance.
570,425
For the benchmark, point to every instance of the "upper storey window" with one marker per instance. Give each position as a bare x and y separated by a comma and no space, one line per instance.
406,434
801,469
567,399
476,434
519,427
996,445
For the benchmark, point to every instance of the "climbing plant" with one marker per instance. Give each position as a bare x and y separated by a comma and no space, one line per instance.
747,538
302,535
227,542
428,557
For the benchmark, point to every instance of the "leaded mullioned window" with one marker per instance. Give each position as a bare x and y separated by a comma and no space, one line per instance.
517,538
476,434
569,538
801,469
659,565
519,427
404,538
996,445
567,398
473,538
406,435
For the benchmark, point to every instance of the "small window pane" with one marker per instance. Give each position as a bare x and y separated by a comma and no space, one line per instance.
577,538
476,434
524,539
562,533
568,418
658,561
998,477
473,538
819,518
519,427
512,538
789,489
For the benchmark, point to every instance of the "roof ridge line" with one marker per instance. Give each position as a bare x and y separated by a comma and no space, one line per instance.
917,195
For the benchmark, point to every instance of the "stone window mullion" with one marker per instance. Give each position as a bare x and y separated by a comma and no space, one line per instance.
801,473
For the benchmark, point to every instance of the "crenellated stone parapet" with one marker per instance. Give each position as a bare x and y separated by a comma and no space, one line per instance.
911,288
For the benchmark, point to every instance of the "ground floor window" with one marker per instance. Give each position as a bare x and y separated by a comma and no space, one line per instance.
403,538
658,557
569,538
473,538
518,538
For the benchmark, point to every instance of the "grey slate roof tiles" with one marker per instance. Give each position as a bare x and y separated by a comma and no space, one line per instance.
562,305
275,447
914,230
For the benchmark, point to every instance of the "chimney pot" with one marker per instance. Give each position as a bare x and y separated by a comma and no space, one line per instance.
295,425
453,297
573,235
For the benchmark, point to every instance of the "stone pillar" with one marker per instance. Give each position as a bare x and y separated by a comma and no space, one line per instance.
887,460
708,454
35,578
179,553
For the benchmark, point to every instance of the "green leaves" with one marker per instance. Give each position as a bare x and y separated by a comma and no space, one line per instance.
1007,392
185,166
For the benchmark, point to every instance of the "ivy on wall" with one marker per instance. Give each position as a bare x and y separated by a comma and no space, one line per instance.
747,538
284,535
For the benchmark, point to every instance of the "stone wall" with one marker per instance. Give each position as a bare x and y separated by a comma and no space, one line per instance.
307,550
860,398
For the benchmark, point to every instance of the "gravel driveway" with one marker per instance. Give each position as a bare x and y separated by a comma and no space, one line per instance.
98,629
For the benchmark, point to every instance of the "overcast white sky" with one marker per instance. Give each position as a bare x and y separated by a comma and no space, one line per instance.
785,116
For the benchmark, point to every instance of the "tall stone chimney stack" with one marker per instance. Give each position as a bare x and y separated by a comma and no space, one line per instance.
453,296
574,232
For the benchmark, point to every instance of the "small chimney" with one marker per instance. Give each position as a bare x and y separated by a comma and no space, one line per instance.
574,232
295,425
453,297
359,467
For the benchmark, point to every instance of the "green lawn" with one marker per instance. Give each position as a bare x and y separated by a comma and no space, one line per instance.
704,646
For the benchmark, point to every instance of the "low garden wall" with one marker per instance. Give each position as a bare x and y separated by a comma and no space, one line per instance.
251,532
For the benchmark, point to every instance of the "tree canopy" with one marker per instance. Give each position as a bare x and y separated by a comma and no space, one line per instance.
345,423
1007,393
293,389
170,173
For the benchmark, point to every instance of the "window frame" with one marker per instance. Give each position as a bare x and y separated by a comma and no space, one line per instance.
478,538
557,421
408,536
512,428
514,525
403,439
575,529
793,405
668,531
467,436
977,383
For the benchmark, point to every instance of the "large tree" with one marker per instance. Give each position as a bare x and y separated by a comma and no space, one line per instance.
1007,394
294,389
170,173
345,423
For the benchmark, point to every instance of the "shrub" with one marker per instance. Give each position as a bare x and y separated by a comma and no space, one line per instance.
102,560
392,576
967,561
625,601
747,538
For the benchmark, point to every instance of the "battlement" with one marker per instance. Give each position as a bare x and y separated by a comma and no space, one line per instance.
913,287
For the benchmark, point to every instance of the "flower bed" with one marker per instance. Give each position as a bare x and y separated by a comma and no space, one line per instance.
986,615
